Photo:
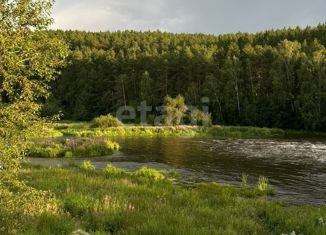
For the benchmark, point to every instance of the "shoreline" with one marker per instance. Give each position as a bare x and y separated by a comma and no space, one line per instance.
83,129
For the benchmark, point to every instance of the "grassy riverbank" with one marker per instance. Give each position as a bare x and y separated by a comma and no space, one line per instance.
83,129
148,202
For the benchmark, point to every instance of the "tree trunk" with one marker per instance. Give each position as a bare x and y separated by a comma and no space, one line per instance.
124,94
238,97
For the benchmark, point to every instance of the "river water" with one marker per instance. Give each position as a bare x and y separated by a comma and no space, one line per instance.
296,169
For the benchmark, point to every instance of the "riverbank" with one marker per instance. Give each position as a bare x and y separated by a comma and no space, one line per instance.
83,129
149,202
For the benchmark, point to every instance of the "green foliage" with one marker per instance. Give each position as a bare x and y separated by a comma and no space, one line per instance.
126,204
69,154
106,122
113,171
24,205
51,107
29,59
263,184
244,181
79,147
270,79
200,118
83,130
44,130
112,145
150,173
174,110
87,166
50,224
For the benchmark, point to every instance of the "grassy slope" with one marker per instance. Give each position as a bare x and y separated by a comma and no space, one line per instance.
133,204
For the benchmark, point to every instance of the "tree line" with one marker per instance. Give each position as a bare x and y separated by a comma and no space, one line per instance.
275,78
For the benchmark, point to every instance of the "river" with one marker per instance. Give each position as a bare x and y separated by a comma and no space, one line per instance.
296,169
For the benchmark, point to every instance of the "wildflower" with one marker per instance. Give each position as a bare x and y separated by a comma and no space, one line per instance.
321,221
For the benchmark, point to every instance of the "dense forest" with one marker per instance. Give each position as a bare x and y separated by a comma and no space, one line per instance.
275,78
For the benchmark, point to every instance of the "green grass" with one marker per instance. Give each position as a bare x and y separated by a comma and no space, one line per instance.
69,148
84,130
148,202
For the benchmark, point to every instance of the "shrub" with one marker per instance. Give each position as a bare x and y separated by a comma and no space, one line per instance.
91,147
244,181
22,206
200,118
87,166
113,145
80,147
113,171
106,122
174,110
263,184
150,173
45,150
69,154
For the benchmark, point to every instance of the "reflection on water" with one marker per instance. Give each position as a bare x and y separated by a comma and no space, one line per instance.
296,169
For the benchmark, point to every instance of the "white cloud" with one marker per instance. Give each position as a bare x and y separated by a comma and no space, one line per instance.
208,16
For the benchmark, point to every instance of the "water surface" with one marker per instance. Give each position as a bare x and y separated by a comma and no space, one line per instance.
296,169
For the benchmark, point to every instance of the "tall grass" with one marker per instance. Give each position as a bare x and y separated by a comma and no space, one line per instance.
111,202
79,147
84,130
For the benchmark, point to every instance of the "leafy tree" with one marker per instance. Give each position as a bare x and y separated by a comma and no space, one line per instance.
286,79
174,110
146,91
29,59
265,79
231,70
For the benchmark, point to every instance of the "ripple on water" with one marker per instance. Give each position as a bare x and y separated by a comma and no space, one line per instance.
280,150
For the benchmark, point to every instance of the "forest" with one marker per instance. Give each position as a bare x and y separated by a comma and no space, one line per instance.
275,78
80,175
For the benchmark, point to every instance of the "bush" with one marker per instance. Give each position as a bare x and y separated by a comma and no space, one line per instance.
263,184
150,173
48,149
80,147
174,110
69,154
113,145
91,147
87,166
106,122
23,205
200,118
113,171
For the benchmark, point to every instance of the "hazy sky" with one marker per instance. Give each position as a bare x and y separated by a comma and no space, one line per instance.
206,16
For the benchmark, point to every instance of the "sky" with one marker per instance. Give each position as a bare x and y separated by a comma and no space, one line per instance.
187,16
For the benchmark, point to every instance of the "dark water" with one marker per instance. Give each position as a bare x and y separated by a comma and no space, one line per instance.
296,169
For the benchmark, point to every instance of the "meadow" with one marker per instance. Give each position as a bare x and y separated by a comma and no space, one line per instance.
152,202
